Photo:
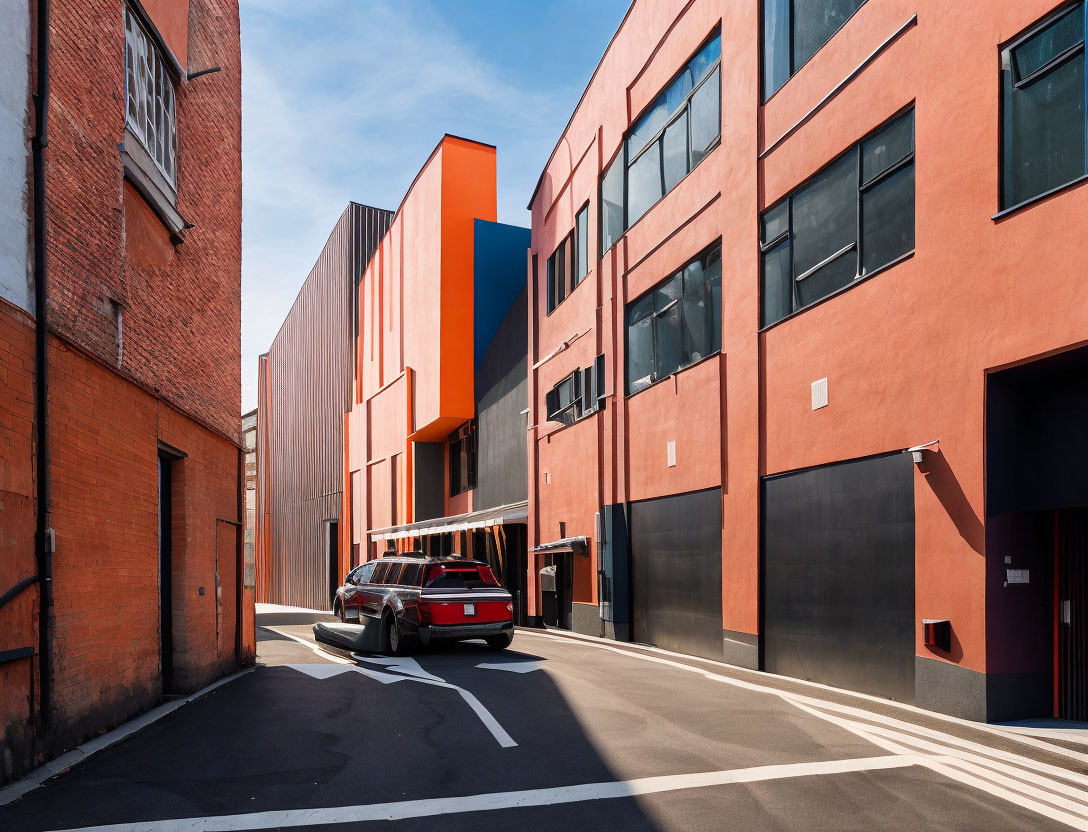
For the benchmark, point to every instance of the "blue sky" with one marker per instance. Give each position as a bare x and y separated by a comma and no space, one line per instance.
344,99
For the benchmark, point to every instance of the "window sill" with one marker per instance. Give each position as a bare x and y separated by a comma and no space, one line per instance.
653,384
1027,203
856,282
140,169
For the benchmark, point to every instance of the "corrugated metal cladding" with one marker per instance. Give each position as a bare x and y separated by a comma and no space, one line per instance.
307,390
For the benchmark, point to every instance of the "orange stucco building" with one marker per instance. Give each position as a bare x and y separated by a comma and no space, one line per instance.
772,256
439,373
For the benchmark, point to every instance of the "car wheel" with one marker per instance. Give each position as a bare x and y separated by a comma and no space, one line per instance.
392,627
500,642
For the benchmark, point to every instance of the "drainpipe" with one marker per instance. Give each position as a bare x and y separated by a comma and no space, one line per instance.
44,533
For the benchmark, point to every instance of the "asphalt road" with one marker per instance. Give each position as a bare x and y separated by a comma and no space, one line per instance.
554,733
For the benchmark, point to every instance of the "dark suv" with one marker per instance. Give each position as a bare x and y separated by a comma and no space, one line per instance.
416,600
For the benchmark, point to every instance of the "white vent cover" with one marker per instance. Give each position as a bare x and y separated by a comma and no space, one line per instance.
670,450
819,394
547,477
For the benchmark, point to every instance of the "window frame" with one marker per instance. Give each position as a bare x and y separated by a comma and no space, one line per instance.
581,217
764,97
657,139
862,187
1008,48
134,23
675,273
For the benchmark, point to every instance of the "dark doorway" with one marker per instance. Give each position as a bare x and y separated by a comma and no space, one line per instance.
837,575
332,552
676,572
555,581
1036,505
166,597
1071,621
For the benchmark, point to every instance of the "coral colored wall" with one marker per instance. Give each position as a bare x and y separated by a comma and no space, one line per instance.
906,353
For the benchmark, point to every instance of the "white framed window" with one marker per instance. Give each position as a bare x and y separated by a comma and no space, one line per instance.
149,97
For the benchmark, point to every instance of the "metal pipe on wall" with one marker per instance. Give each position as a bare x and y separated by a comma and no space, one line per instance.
44,534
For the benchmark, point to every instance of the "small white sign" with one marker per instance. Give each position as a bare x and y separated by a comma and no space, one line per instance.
1018,576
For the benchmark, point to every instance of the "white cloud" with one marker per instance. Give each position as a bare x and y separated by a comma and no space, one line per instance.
344,100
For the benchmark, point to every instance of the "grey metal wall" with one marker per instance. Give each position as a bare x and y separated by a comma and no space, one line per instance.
838,575
309,390
676,572
502,391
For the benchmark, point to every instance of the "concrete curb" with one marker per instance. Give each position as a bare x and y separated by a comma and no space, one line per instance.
80,753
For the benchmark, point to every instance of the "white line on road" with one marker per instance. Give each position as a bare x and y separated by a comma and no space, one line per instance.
953,762
409,666
512,667
430,807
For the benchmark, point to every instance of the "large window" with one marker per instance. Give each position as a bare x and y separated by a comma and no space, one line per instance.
853,217
569,263
1043,108
671,137
463,458
792,32
149,97
677,323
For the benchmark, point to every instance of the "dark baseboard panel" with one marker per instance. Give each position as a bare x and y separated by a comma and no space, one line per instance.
586,619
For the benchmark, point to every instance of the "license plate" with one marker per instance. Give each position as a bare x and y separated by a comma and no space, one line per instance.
470,609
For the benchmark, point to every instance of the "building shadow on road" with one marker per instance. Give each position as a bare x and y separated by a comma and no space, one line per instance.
280,739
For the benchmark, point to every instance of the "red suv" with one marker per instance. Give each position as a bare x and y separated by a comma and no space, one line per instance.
417,600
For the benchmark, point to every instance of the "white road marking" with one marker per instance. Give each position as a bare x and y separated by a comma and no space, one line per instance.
421,676
512,667
1030,738
430,807
961,760
332,657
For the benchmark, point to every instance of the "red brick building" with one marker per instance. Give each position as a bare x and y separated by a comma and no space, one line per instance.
135,521
828,255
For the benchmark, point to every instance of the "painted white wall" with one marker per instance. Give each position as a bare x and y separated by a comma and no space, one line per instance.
15,277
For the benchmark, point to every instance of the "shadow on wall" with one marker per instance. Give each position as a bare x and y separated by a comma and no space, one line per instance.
944,485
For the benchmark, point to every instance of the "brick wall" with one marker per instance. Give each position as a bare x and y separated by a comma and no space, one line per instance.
176,381
181,304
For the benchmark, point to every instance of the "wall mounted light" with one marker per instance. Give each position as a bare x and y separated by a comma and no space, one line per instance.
918,452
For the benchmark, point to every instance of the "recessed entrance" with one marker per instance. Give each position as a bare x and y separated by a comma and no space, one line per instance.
1037,539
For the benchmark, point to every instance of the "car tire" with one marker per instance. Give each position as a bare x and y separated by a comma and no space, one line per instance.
393,635
500,642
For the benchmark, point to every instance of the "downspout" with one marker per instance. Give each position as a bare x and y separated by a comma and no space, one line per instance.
239,557
44,533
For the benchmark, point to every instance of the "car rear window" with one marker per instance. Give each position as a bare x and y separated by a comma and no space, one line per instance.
460,576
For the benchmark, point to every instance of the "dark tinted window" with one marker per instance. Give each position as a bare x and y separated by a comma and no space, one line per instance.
412,574
1043,92
365,572
462,465
459,577
792,32
667,140
810,240
676,323
564,401
382,570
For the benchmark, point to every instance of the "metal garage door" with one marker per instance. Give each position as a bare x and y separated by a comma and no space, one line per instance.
838,575
676,572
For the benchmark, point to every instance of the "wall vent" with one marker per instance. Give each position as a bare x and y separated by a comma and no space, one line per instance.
819,394
670,451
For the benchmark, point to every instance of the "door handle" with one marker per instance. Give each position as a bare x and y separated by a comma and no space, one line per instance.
1065,612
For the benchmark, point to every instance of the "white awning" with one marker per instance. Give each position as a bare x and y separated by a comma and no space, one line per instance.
501,515
575,545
